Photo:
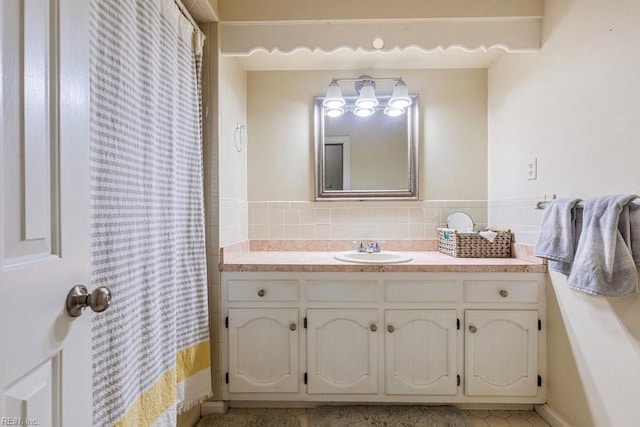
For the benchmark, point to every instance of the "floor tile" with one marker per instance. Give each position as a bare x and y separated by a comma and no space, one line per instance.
536,421
478,422
276,410
297,411
479,413
256,411
515,421
494,421
236,411
523,414
304,420
500,414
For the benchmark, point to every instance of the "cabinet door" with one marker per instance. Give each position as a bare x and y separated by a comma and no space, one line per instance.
342,351
420,352
263,350
501,353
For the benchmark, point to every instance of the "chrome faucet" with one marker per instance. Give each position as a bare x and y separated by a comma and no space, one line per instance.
372,247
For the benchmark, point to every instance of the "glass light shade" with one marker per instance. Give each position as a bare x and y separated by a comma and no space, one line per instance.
334,112
393,112
334,98
363,111
367,98
400,96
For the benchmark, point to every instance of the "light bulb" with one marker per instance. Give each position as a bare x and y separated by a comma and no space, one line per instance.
400,96
393,112
367,98
334,98
334,112
363,111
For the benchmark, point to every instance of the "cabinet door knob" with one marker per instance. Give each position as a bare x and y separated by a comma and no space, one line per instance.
390,328
504,293
472,329
373,328
261,293
293,327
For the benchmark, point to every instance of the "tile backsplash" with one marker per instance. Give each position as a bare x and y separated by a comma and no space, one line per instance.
357,220
519,215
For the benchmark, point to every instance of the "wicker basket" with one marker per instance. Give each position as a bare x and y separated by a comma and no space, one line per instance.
473,245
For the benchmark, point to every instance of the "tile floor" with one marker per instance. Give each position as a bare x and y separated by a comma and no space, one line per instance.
479,418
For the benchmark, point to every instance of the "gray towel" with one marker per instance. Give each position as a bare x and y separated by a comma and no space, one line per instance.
604,264
558,234
634,223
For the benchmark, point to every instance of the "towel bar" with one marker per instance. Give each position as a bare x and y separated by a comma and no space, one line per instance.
543,203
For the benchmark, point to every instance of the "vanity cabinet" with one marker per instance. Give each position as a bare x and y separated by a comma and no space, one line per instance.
421,352
383,337
263,350
342,351
501,353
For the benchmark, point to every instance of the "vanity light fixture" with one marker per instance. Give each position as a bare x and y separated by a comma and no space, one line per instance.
367,103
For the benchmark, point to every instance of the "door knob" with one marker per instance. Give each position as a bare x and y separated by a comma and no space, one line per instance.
504,293
373,328
261,293
293,327
472,329
79,298
390,328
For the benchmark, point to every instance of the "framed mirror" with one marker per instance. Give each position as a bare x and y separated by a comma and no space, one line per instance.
366,158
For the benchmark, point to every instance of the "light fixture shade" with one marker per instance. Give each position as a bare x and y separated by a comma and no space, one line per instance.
393,112
334,98
364,111
400,96
334,112
367,98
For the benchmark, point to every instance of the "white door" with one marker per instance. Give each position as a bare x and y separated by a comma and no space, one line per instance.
263,350
501,353
45,355
420,352
342,351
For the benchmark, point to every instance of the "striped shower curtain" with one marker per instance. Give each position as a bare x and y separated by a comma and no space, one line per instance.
151,348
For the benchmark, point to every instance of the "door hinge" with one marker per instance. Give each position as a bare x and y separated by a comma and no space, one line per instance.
539,324
226,322
457,323
458,380
305,323
226,378
305,377
539,381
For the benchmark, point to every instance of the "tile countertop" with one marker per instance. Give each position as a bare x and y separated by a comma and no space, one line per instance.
323,261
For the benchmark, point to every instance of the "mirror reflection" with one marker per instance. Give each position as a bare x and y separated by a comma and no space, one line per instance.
366,157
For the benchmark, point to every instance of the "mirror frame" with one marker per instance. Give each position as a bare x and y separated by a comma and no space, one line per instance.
411,193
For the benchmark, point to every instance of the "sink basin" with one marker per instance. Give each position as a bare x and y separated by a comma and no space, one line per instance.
383,257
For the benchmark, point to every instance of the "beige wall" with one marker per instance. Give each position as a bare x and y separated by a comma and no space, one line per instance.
232,163
259,10
453,131
574,106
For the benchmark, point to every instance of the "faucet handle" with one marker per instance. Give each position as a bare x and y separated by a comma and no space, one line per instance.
361,247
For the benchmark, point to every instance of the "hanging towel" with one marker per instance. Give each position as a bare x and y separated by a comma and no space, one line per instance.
559,234
604,264
634,224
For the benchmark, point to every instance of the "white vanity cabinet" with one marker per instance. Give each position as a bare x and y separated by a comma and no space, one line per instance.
383,337
342,351
263,350
421,352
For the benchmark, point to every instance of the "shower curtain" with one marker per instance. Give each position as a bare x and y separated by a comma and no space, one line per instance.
151,347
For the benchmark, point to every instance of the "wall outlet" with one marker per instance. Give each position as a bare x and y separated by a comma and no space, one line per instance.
532,172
